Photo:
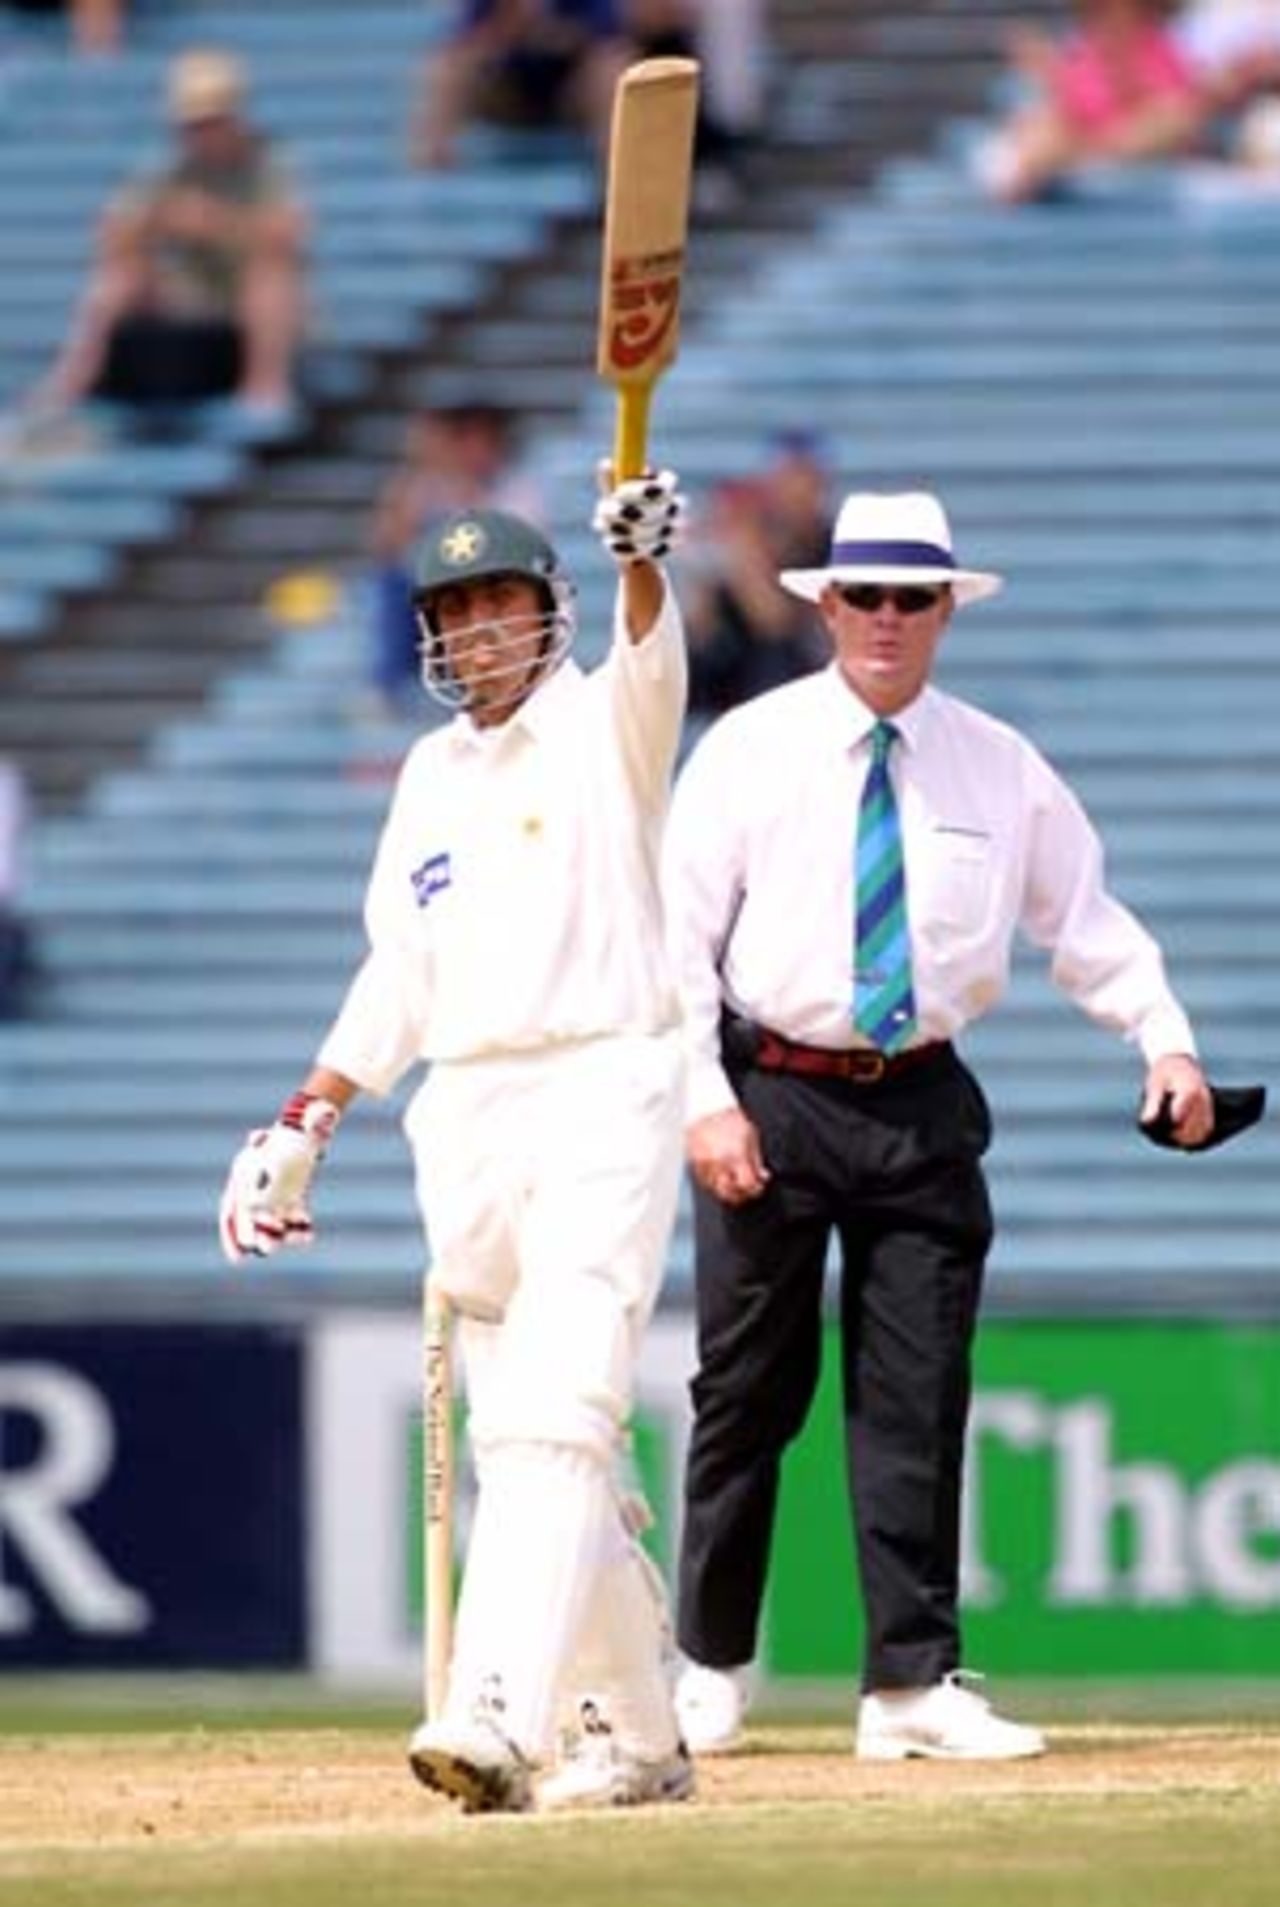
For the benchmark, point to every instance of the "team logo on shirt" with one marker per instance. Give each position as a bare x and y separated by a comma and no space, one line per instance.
435,874
463,543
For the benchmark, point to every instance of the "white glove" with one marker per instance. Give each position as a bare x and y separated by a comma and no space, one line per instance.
264,1203
641,517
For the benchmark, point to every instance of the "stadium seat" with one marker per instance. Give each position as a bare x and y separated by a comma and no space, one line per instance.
1092,389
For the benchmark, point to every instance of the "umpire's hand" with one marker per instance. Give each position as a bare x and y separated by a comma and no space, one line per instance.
1178,1078
725,1157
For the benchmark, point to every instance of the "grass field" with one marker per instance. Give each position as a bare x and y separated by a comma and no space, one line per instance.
199,1798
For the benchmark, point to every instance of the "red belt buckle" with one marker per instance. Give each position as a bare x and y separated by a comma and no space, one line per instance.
865,1065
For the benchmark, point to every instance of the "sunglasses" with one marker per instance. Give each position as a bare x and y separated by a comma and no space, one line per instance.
909,599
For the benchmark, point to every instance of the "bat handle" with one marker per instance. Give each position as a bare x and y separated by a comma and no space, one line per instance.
632,432
437,1500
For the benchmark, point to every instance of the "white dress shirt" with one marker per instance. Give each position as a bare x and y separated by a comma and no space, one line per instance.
513,903
759,877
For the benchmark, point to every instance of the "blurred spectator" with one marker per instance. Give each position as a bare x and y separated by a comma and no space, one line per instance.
701,30
16,962
198,287
97,26
523,62
455,457
1117,89
1234,49
733,44
745,632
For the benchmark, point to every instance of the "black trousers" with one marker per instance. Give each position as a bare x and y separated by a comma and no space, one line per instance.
157,360
894,1170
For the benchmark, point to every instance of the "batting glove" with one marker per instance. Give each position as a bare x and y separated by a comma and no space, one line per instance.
641,517
264,1204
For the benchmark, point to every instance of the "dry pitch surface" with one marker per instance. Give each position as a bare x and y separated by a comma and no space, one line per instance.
1119,1813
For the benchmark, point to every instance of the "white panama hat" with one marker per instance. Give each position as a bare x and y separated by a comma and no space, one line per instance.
903,538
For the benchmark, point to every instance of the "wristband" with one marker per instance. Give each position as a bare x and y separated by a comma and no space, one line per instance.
311,1115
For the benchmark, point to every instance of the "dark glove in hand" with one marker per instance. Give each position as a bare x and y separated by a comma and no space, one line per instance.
1235,1108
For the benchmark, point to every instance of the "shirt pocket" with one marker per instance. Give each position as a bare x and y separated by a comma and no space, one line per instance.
958,879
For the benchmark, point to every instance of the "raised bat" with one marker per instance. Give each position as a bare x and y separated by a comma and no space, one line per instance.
655,106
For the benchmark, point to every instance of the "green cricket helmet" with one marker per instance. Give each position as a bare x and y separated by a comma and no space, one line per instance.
475,546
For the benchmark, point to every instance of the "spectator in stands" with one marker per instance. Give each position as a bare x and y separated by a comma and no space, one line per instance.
733,45
685,29
456,457
97,26
16,965
198,289
1233,47
728,37
746,633
1119,88
528,62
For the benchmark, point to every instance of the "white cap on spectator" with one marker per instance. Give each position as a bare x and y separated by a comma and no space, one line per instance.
206,84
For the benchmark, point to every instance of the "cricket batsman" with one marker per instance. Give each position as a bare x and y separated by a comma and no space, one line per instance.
515,947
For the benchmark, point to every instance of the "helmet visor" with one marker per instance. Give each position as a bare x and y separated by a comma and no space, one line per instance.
488,655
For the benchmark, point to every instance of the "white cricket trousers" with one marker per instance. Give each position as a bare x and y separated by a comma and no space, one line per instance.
548,1184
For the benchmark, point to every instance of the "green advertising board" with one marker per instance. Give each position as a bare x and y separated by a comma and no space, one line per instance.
1122,1513
1122,1510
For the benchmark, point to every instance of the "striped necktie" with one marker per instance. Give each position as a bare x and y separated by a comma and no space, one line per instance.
884,1005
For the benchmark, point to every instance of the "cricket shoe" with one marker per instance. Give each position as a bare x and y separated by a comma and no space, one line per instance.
472,1762
948,1722
595,1771
710,1706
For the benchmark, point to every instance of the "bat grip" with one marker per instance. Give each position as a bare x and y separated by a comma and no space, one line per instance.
632,432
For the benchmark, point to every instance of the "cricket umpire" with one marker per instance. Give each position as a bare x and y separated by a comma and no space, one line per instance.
848,860
516,945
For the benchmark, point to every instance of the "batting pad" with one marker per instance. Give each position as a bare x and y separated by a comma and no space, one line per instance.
537,1542
626,1652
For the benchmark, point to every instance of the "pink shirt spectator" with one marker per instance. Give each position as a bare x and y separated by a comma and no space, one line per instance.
1098,86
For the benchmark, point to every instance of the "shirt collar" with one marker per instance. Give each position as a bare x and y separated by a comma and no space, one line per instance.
852,721
531,718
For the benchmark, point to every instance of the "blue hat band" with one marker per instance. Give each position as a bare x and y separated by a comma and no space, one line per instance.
885,555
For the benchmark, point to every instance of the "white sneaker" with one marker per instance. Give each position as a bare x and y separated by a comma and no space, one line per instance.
596,1772
948,1722
474,1763
710,1706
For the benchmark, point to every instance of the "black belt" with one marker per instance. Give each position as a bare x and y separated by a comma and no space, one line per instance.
861,1065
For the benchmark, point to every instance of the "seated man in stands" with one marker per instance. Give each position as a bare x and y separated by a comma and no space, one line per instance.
198,290
746,633
696,29
528,62
1118,89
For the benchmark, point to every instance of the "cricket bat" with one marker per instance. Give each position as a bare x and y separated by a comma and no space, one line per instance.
655,106
437,1499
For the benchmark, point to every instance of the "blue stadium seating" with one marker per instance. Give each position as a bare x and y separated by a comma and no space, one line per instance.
1093,390
392,247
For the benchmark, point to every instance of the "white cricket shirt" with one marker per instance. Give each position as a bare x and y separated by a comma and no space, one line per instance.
759,877
513,902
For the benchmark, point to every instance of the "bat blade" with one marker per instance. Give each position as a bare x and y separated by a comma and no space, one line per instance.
655,108
437,1494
